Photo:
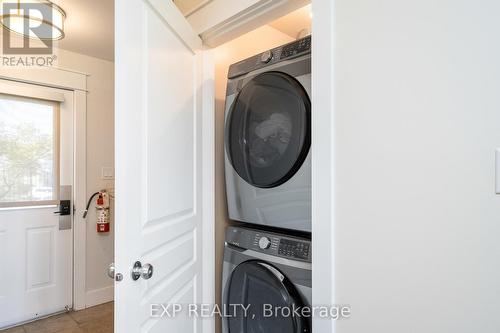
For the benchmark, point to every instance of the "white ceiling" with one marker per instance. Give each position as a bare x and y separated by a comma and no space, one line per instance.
89,27
295,22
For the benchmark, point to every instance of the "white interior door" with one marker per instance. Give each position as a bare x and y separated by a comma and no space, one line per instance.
159,176
36,162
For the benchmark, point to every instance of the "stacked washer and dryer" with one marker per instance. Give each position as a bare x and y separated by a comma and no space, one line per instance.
267,260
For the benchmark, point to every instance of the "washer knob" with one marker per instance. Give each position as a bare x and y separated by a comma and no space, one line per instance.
266,56
264,243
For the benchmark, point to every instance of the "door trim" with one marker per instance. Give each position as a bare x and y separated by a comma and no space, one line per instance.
208,185
47,76
323,160
77,83
80,198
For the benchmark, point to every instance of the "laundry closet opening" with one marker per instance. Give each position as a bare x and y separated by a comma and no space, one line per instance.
263,168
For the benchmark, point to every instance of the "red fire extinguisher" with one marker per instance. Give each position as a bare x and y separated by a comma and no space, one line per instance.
102,210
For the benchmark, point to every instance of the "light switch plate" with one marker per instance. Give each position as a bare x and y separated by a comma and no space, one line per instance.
107,173
497,171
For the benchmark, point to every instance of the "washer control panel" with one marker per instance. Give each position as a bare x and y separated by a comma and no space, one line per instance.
285,246
264,241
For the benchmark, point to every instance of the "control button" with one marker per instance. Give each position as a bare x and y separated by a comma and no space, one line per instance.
266,56
264,243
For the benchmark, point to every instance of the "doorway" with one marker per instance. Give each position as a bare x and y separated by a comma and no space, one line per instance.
36,195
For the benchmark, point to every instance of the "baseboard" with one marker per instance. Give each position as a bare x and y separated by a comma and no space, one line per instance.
99,296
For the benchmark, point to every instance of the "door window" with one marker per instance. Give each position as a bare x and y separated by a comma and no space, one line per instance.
268,130
29,154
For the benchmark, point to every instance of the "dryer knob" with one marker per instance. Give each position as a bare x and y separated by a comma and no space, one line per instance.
264,243
266,56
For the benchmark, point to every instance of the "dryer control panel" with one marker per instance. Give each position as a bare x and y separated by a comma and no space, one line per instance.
295,48
294,249
270,57
285,246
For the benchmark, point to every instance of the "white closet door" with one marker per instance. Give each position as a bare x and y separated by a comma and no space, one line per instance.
159,167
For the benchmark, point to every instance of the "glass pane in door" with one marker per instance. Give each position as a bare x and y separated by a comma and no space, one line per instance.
28,151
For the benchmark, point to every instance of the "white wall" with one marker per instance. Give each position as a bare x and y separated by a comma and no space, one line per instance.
417,114
100,152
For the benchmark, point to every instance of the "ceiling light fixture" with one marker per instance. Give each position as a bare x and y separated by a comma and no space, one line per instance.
38,19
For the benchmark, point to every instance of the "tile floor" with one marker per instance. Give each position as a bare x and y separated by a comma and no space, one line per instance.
98,319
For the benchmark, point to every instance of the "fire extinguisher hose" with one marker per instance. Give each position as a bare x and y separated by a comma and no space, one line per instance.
88,204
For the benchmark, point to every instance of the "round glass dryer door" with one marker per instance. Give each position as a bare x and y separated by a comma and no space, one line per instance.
257,286
268,129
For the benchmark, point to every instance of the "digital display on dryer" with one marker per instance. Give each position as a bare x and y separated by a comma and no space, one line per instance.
296,48
294,249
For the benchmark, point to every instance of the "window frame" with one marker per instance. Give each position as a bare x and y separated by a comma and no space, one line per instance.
56,143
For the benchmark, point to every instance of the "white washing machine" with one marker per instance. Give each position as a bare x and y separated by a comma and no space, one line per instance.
265,269
268,138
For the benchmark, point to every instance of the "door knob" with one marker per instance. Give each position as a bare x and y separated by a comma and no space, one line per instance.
111,270
112,273
146,271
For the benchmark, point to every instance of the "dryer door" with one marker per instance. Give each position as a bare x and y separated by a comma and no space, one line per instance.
262,289
268,129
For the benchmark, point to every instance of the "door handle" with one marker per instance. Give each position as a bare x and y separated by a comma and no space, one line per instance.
112,273
146,271
64,208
